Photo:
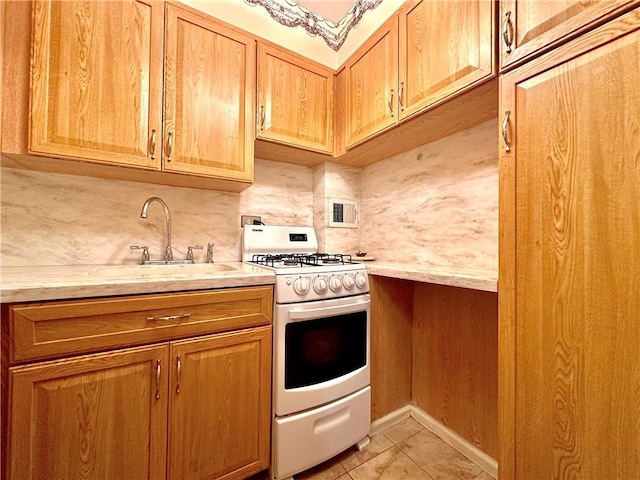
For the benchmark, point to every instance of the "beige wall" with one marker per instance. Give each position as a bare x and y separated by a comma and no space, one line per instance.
435,205
53,219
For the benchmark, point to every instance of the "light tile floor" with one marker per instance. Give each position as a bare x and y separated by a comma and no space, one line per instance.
405,451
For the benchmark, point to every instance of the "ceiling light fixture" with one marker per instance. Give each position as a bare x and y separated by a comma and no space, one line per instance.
291,14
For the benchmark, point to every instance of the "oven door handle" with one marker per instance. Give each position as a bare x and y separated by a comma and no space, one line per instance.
311,313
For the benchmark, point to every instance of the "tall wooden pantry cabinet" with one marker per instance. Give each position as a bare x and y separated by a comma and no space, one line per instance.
569,287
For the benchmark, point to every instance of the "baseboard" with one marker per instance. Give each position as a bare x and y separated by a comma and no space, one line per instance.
390,420
473,453
484,461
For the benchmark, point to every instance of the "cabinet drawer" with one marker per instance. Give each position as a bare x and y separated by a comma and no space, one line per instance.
55,329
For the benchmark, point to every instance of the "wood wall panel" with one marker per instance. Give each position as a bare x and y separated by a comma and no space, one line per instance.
455,357
391,311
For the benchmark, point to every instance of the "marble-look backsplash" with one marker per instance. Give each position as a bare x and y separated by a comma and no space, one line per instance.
436,205
55,219
339,182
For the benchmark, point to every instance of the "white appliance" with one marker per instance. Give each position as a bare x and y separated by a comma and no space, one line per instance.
321,336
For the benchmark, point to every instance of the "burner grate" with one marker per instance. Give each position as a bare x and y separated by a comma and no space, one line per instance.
294,259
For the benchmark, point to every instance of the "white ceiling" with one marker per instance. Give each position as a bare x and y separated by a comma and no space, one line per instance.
333,10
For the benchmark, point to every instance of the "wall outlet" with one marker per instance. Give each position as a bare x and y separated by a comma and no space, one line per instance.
250,220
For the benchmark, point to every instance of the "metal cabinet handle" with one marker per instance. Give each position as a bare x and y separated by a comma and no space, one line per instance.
400,92
263,116
505,122
179,367
169,146
389,100
169,317
153,144
507,32
157,379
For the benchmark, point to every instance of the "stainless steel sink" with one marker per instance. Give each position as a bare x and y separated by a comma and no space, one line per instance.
160,270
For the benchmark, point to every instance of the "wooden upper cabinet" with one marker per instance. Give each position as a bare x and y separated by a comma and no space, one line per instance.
295,100
529,27
220,413
96,80
209,97
570,260
97,416
445,47
428,52
371,85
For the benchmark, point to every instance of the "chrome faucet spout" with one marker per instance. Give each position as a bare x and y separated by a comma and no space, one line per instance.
168,256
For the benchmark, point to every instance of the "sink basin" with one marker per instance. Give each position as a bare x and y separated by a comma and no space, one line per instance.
159,271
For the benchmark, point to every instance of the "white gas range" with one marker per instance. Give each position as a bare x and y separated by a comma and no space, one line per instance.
302,274
321,337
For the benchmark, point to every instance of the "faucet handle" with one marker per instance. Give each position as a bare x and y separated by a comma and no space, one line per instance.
210,252
190,251
145,251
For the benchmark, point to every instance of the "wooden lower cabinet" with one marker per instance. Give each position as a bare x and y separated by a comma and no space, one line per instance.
219,417
105,415
192,405
97,416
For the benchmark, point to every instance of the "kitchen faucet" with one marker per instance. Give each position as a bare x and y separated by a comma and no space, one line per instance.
168,255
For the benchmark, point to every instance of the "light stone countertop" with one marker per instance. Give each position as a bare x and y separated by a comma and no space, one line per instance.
455,277
24,284
36,283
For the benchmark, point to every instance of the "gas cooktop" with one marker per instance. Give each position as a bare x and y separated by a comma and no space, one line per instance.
302,274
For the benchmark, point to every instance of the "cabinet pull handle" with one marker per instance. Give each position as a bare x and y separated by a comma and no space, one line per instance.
169,146
505,122
400,92
153,144
262,117
507,32
389,100
179,366
169,317
157,379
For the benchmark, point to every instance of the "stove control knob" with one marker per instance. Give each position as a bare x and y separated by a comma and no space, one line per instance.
301,286
361,280
348,282
335,283
320,285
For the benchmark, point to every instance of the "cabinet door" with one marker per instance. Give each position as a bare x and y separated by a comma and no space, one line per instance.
530,26
220,407
372,78
96,81
445,47
98,416
570,260
209,103
295,100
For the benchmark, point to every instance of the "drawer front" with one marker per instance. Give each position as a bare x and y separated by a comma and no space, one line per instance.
56,329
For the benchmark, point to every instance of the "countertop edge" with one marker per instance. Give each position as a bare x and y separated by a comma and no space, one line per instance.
27,284
465,278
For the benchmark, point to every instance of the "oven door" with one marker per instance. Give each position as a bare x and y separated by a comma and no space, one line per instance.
321,352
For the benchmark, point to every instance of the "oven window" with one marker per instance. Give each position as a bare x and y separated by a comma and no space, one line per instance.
323,349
